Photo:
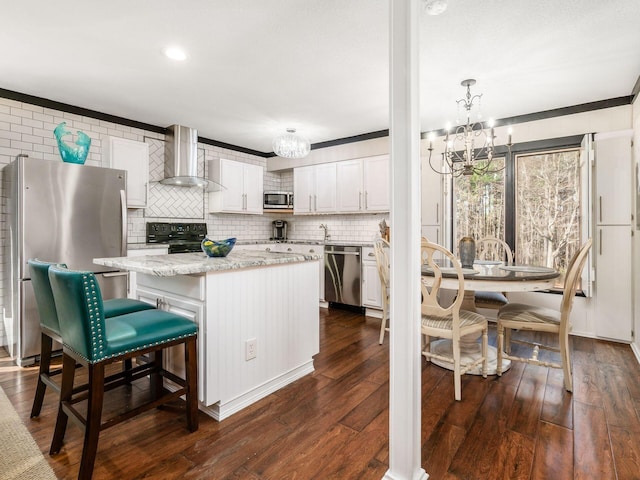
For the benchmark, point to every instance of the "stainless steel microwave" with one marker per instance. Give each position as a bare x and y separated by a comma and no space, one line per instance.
278,200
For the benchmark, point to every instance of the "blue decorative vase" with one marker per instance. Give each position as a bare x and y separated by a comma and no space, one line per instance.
69,154
467,251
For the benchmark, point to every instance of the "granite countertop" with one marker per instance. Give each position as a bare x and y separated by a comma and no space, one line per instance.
310,242
145,246
188,263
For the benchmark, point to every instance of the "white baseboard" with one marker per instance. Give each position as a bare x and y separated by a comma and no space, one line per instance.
220,411
636,351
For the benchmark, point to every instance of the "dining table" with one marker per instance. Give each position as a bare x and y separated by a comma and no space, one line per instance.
486,276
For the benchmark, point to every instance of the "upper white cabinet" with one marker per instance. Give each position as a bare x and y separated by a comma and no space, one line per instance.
613,174
314,188
133,157
243,189
351,186
377,181
363,185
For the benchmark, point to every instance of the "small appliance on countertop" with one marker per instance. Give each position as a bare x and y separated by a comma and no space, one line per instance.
181,237
279,231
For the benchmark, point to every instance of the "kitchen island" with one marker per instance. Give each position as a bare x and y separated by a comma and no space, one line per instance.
257,314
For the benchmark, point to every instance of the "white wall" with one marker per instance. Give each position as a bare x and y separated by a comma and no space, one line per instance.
636,238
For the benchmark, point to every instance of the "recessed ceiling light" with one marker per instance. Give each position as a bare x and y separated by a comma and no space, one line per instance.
175,53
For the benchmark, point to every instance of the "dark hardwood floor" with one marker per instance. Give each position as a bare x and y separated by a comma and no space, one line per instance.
333,424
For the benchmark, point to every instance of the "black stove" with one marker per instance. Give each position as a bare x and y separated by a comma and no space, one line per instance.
181,237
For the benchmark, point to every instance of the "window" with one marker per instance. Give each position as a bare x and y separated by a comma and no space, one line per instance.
534,204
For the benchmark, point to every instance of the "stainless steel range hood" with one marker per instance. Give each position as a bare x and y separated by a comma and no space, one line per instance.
181,159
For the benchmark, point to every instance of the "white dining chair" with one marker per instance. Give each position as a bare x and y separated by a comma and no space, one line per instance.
449,322
492,248
381,252
517,316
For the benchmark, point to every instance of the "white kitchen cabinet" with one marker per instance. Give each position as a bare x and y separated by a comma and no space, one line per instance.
243,187
186,302
431,204
377,181
314,189
133,157
613,178
349,186
613,296
613,244
371,288
363,185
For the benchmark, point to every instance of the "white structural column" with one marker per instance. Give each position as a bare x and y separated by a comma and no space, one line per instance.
405,391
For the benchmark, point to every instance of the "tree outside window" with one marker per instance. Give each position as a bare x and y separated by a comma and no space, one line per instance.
533,204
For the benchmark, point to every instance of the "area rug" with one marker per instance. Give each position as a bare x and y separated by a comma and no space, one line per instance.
20,457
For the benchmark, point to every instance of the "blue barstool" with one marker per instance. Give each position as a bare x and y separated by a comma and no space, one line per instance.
50,327
95,343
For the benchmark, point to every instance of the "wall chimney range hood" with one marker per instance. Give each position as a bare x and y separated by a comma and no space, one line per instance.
181,159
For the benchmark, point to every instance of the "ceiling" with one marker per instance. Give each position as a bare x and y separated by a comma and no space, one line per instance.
256,67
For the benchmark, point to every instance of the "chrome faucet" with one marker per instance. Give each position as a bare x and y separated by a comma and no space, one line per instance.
326,232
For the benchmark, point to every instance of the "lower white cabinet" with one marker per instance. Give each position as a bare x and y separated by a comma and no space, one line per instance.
371,288
185,306
613,296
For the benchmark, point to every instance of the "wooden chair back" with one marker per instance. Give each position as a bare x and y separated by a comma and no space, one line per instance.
381,252
431,254
492,248
574,271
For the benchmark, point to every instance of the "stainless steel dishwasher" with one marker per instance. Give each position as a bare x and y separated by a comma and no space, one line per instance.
342,275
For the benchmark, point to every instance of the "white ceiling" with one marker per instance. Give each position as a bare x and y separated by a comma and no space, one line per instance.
256,67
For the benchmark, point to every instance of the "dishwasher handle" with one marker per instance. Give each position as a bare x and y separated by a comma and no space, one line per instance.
334,252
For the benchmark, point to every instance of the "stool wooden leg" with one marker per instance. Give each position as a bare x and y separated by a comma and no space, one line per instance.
68,373
191,367
127,365
45,368
155,378
94,417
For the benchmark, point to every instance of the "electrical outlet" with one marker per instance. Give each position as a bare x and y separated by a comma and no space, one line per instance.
251,349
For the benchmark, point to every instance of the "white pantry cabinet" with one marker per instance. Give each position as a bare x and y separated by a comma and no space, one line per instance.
613,295
133,157
431,207
314,189
612,249
613,178
243,189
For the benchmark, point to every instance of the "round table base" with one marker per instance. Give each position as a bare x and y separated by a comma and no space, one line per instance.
469,353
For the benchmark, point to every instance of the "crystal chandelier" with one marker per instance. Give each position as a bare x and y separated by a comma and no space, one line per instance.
290,145
460,152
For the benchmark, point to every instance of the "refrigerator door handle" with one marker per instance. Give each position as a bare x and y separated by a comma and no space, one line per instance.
114,274
123,208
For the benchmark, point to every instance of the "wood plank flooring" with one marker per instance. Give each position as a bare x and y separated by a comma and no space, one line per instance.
333,424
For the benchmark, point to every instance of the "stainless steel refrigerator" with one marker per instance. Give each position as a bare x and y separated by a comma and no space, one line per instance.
59,212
